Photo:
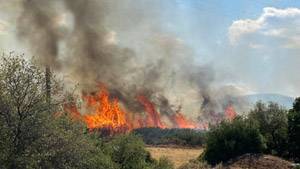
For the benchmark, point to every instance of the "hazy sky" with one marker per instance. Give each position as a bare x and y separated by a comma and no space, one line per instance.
252,44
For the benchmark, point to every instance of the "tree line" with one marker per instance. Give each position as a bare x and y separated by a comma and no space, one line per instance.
172,136
268,128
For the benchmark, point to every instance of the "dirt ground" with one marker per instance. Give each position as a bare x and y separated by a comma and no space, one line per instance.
177,155
258,161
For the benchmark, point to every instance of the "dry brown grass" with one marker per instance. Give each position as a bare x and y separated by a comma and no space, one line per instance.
178,156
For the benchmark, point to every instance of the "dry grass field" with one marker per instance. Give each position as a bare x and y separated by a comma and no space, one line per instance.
178,156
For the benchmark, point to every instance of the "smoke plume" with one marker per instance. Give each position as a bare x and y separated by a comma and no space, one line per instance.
73,37
38,27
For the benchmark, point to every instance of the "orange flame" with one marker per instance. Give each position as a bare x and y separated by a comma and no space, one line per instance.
230,113
105,113
102,113
153,117
182,122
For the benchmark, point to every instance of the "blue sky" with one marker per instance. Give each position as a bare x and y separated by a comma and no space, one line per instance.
265,67
206,23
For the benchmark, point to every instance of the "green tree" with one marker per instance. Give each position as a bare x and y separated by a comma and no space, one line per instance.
232,139
294,130
128,151
273,125
22,108
30,135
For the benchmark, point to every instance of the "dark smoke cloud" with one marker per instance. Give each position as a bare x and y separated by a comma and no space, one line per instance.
37,26
163,68
91,56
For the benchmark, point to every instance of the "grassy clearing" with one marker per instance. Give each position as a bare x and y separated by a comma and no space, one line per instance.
178,156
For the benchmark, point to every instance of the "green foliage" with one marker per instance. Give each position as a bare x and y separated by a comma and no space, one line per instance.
231,139
294,130
23,109
128,152
158,136
66,145
269,123
30,135
273,125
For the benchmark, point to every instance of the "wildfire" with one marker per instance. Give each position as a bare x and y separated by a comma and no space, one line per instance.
102,113
153,117
230,113
105,113
182,122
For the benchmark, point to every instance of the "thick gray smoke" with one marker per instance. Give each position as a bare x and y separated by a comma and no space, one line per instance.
71,36
37,26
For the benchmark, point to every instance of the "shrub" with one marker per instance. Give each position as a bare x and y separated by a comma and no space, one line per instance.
294,131
128,152
231,139
273,125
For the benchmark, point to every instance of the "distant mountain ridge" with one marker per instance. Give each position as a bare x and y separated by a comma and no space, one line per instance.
283,100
